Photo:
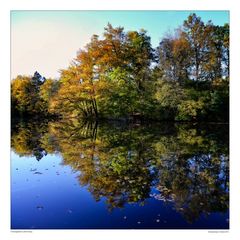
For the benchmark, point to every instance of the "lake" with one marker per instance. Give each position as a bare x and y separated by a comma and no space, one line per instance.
115,175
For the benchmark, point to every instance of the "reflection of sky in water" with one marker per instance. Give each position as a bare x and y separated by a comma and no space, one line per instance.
47,194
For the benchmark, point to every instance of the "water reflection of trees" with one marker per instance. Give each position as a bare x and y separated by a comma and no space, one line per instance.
187,165
26,139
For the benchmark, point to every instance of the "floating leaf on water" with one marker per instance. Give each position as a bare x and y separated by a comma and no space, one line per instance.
40,207
69,211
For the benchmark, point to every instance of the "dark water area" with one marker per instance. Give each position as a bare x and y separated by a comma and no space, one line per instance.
113,175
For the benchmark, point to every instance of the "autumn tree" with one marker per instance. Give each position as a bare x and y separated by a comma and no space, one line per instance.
20,97
173,57
195,60
32,95
196,51
110,76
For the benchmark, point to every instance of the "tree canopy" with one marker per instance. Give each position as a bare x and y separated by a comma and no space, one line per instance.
120,75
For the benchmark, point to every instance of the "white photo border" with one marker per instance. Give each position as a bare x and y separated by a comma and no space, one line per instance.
230,5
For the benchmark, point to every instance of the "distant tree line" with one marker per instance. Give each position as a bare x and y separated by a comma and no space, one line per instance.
120,75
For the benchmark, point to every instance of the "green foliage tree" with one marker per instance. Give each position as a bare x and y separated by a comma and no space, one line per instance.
196,60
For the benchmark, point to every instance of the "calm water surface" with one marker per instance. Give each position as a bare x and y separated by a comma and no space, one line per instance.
81,175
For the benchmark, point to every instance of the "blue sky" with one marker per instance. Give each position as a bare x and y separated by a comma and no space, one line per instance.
48,40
